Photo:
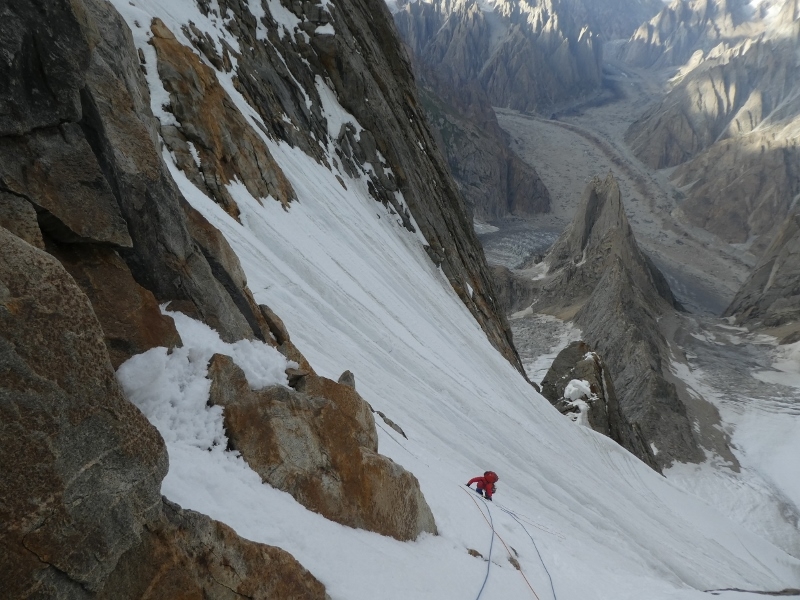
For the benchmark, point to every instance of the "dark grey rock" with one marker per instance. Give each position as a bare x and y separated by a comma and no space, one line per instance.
600,279
347,378
82,467
770,297
577,361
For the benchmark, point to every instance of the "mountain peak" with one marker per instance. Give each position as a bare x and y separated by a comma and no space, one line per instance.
598,235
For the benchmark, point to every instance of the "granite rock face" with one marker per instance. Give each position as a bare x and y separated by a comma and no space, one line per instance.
603,413
95,234
370,76
599,235
185,554
209,123
494,181
82,467
319,443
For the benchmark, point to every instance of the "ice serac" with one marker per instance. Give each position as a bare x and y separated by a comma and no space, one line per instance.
600,279
578,362
770,298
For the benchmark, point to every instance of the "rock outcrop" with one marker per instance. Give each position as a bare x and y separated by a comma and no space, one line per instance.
514,291
770,298
188,555
82,467
209,125
598,237
600,279
577,362
82,515
319,443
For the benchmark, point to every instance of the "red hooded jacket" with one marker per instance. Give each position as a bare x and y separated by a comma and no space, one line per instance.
485,483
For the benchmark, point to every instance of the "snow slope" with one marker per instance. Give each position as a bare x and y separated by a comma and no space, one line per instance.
358,292
760,409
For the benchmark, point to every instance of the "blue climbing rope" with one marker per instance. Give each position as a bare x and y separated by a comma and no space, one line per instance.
491,543
552,587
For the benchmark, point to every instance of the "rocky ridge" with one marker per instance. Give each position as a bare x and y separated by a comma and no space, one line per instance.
525,56
600,407
685,27
494,181
598,278
770,298
729,125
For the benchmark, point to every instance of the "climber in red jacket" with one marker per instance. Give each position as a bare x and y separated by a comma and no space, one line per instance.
486,484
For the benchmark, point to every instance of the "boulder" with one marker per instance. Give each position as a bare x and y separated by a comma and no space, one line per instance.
319,443
185,554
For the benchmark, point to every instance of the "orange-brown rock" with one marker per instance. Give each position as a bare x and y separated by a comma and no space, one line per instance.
128,313
188,556
313,444
228,147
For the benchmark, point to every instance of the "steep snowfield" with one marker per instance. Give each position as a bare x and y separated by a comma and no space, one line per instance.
358,292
